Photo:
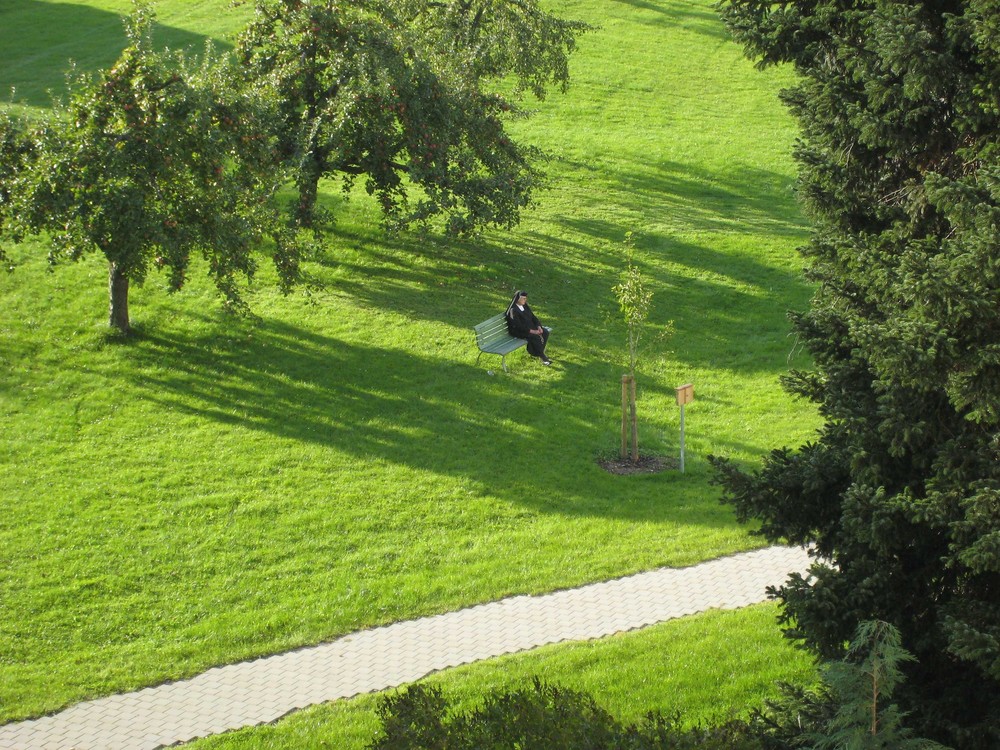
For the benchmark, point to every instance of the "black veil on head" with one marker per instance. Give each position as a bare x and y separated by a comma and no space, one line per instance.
517,295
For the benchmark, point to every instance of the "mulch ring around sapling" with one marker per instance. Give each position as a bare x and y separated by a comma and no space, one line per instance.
645,465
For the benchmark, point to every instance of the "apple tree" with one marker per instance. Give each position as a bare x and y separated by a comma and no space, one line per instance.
147,163
413,97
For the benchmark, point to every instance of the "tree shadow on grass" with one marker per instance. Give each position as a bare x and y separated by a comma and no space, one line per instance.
743,198
728,308
41,39
447,280
688,15
731,311
462,282
417,410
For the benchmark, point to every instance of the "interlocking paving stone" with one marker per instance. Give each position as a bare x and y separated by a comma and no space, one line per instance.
264,690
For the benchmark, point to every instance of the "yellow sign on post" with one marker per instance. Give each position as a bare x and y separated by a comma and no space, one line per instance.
685,395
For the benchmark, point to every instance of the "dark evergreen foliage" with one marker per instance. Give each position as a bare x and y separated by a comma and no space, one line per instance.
899,155
852,708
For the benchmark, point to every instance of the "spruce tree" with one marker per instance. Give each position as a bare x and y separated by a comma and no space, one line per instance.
861,687
899,158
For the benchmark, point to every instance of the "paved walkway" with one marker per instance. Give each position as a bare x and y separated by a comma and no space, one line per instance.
264,690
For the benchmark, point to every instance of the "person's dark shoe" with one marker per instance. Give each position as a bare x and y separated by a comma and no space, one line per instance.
546,361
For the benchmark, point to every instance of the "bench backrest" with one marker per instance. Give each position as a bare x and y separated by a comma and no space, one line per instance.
492,330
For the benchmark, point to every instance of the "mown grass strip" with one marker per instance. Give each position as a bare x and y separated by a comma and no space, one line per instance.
708,668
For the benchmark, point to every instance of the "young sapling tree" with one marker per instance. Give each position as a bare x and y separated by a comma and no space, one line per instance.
633,301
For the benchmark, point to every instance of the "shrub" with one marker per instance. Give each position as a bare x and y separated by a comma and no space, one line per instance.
541,717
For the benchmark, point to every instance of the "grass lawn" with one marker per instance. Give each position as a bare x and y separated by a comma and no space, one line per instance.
218,489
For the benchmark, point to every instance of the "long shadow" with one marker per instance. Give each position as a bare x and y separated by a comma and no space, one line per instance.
689,15
399,407
464,282
733,302
40,41
742,198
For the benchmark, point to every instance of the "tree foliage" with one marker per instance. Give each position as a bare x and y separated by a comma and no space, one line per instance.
406,94
150,161
633,299
899,108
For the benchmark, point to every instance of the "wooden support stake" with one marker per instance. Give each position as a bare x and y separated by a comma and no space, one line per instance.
635,423
624,451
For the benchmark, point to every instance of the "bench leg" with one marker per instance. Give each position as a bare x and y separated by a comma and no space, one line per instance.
503,361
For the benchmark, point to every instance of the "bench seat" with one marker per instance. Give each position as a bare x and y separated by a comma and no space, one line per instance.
492,338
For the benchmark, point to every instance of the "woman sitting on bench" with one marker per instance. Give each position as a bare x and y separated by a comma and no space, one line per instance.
522,324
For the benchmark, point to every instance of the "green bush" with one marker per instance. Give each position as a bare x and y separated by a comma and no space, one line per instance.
542,717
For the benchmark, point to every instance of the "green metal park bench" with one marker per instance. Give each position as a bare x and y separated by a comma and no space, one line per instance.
492,338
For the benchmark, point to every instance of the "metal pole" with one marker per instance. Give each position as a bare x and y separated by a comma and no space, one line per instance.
682,438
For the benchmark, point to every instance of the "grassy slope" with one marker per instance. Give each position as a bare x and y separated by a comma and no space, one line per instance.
217,490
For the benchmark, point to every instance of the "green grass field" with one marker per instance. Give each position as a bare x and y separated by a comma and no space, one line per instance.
218,489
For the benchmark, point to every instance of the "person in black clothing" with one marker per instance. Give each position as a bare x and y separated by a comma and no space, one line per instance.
522,324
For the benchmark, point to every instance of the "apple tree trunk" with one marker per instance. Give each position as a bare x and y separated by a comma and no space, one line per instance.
118,298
